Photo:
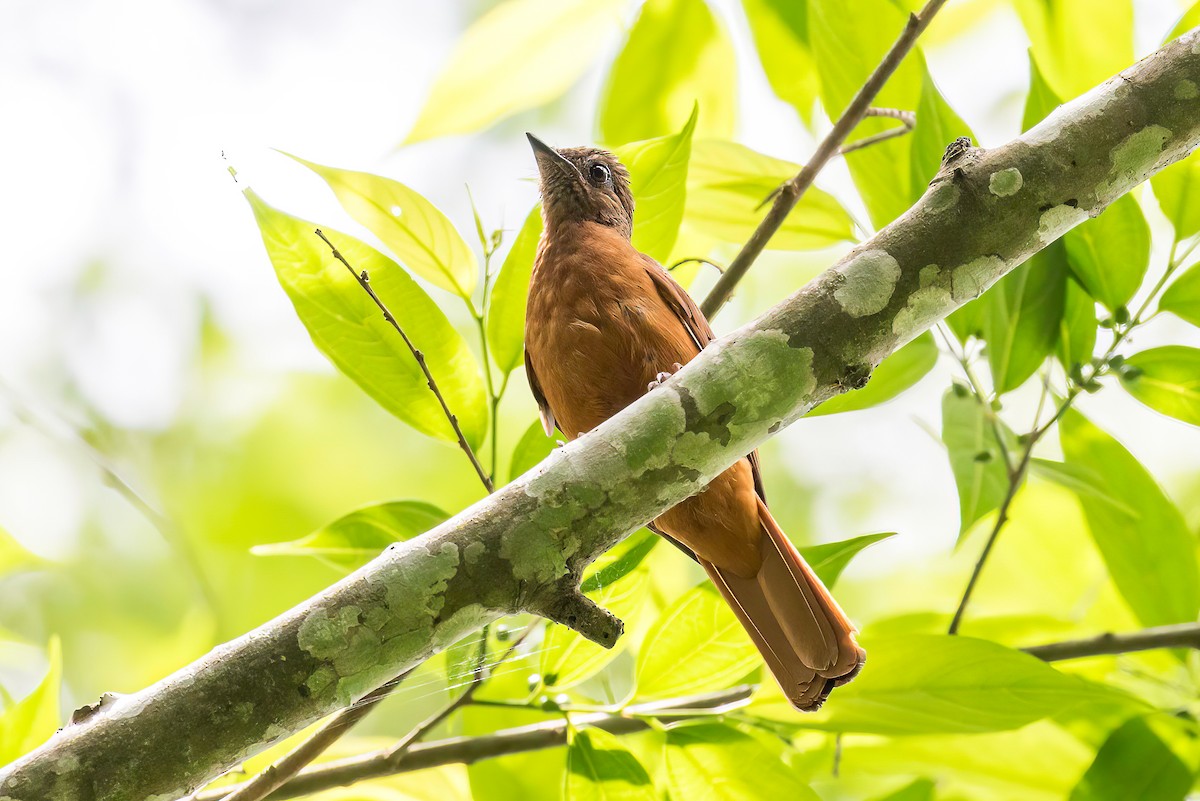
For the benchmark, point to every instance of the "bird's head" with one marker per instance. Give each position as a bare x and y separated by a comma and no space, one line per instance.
583,184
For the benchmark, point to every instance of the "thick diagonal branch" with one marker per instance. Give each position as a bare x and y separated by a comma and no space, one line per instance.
983,215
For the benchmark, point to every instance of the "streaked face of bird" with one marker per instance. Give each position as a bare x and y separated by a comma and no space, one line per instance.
583,184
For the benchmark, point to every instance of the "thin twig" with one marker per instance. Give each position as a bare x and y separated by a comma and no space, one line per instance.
1182,635
908,121
467,750
791,192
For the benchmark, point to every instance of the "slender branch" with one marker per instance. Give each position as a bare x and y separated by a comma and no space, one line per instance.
467,750
1182,635
364,281
791,192
907,119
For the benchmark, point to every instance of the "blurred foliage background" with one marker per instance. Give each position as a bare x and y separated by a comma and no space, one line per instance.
179,463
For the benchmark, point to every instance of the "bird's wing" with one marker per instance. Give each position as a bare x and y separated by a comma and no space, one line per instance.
680,302
544,412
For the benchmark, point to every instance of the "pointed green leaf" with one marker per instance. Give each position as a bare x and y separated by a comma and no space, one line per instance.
521,54
714,762
726,186
894,375
625,558
14,556
347,327
934,683
920,790
780,29
356,538
32,720
1177,188
1182,297
1188,21
506,308
1151,558
1166,379
532,448
658,171
848,46
1022,318
1109,254
697,644
1079,43
937,126
423,238
829,560
678,54
1042,100
975,456
1077,328
600,768
1134,763
1081,480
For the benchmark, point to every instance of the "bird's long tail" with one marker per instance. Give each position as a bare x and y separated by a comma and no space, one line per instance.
804,636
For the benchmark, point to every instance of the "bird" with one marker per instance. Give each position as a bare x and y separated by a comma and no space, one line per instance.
605,324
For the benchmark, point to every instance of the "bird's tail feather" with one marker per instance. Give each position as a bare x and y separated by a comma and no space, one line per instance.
804,636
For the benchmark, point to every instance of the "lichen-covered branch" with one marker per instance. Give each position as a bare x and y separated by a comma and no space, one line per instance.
523,548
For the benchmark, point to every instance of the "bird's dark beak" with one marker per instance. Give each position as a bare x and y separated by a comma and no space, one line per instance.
550,161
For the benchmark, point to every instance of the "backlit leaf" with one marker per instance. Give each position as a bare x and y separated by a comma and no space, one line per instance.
14,556
349,329
678,54
714,762
975,456
1022,318
780,29
423,238
506,307
658,171
1109,254
937,126
829,560
1077,328
1176,188
32,720
532,448
1134,763
600,768
1166,379
1182,297
894,374
355,539
1079,43
1156,573
521,54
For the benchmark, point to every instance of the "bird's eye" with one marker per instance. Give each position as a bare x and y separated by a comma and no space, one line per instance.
598,173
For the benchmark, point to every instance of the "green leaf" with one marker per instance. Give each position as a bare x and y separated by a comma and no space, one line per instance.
975,457
354,539
1176,188
937,126
567,657
14,556
1077,328
1182,297
1109,254
1082,481
1166,379
1134,763
1151,558
1023,316
935,683
658,171
600,768
697,644
829,560
1188,21
920,790
414,229
780,30
521,54
714,762
848,47
1042,100
894,374
678,54
348,328
532,448
1079,43
506,308
31,721
625,559
726,186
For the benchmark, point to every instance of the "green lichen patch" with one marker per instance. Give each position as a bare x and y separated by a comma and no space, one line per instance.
536,558
928,276
868,281
943,195
968,281
924,308
1133,159
1057,221
1186,90
1005,183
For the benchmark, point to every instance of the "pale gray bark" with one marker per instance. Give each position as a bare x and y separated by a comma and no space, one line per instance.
523,548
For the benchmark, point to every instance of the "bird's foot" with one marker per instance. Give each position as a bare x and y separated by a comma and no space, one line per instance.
663,376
